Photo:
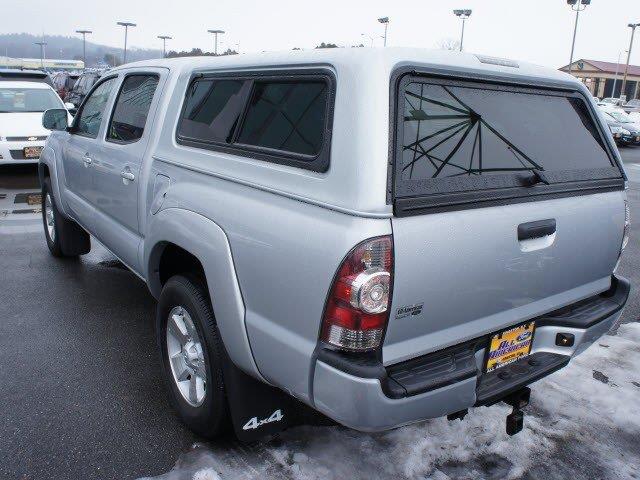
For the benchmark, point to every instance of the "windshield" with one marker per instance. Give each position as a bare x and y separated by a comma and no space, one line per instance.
14,100
621,117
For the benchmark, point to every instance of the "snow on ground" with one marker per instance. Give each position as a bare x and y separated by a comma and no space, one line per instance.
583,423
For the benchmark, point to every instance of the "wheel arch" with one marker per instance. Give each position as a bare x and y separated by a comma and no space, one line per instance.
178,239
47,168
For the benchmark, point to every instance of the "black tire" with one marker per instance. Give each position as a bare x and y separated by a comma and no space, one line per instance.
69,239
211,418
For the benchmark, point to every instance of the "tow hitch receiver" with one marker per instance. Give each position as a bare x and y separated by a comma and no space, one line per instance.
518,400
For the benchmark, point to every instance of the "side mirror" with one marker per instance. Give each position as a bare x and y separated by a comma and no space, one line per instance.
55,119
69,106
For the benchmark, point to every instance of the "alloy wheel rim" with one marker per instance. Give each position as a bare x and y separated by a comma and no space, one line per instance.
49,218
186,356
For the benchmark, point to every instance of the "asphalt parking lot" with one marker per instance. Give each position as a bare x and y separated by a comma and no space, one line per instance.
82,396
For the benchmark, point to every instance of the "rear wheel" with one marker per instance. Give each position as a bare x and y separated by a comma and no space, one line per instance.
191,352
65,238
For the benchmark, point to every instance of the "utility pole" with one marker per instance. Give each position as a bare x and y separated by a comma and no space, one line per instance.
215,41
577,6
84,45
385,22
463,15
126,26
626,68
164,39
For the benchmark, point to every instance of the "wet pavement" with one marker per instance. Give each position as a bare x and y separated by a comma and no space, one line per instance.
82,396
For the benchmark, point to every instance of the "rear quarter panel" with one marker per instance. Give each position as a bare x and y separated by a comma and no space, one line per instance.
285,254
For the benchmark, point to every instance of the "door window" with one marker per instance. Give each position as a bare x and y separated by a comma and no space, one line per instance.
90,116
132,108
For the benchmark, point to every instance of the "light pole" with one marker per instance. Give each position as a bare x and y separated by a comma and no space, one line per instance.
615,79
626,68
215,41
42,54
368,36
463,15
385,22
577,6
84,45
164,39
126,26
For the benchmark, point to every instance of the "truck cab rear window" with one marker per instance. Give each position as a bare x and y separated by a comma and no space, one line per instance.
458,137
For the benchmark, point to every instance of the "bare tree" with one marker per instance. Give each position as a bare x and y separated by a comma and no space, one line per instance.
448,44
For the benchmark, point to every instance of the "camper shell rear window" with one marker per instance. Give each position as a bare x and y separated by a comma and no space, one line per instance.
462,143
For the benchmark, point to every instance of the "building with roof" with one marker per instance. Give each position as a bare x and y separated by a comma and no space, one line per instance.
48,64
600,77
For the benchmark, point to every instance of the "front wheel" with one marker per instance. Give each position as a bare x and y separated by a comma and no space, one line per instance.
192,355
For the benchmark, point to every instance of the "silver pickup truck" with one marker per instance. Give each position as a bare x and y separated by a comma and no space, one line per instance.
382,235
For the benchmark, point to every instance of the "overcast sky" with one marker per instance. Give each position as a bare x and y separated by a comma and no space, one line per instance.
533,30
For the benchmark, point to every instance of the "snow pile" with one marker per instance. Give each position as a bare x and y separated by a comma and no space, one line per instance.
583,423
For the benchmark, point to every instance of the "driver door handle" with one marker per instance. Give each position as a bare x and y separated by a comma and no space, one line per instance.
127,175
87,160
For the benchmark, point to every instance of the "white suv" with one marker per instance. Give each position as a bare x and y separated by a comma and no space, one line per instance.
21,133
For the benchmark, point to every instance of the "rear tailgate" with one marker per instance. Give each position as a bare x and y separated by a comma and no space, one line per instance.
508,204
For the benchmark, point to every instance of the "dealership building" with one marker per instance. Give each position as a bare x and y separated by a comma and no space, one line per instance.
600,77
37,64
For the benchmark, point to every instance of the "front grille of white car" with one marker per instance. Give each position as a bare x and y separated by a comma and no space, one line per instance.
32,138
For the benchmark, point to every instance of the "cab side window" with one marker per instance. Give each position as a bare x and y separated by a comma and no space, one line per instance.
132,108
90,117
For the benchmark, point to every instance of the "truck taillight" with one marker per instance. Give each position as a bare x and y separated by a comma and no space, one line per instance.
357,308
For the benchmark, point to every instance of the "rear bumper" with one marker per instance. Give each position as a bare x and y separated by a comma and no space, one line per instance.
364,395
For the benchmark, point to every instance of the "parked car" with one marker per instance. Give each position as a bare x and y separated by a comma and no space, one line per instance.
632,106
63,82
612,101
373,232
620,135
15,74
21,106
81,87
621,119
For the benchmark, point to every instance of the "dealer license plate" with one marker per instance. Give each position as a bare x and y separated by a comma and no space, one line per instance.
32,152
510,345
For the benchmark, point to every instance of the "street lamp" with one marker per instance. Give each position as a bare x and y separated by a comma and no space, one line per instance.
385,22
577,6
215,41
368,36
42,45
626,68
164,39
84,47
615,79
463,15
126,26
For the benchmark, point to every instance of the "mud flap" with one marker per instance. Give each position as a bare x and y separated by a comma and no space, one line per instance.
258,409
